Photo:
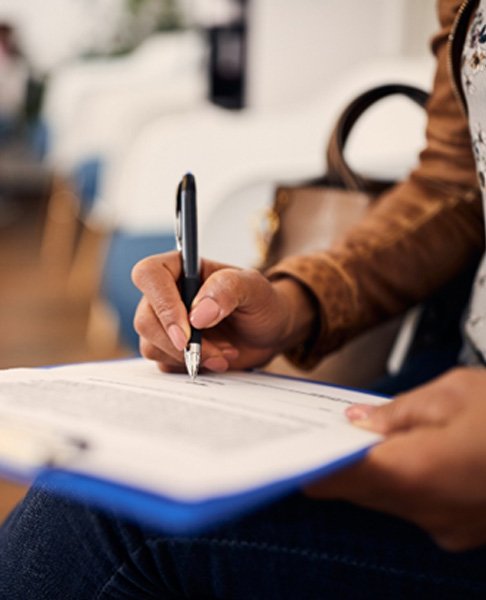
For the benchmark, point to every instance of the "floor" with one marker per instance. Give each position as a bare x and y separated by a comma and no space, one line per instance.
40,322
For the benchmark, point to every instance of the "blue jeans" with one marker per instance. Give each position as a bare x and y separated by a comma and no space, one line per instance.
52,548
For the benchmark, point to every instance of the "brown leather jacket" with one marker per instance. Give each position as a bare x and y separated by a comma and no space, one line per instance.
418,235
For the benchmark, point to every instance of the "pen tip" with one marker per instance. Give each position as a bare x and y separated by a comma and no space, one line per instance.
192,371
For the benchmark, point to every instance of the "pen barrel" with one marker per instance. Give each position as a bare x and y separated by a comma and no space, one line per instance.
196,336
189,289
189,227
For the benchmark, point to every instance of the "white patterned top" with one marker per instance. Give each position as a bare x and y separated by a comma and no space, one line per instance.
474,83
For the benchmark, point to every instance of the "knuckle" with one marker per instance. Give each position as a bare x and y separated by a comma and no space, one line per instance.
224,287
143,323
142,270
254,278
149,351
228,280
154,269
165,312
242,284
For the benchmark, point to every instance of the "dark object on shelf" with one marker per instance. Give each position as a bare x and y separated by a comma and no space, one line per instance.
227,62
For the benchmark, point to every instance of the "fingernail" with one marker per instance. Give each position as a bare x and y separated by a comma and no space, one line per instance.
216,363
359,411
205,313
359,414
230,353
177,337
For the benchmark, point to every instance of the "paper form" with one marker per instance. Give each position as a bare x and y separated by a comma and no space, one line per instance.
159,432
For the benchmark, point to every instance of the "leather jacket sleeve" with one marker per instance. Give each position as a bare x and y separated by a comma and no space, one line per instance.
416,237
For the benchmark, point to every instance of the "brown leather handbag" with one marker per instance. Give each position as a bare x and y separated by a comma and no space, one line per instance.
312,216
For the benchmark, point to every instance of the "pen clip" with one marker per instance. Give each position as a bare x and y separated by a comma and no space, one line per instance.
178,221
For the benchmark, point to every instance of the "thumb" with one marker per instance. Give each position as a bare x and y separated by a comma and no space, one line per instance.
226,290
424,406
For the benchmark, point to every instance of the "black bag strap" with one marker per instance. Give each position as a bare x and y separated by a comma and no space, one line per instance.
339,173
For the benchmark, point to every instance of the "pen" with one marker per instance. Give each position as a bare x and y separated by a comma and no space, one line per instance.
186,237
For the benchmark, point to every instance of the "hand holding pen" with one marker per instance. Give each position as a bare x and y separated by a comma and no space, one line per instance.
245,318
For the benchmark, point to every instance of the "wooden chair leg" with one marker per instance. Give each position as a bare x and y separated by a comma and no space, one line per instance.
102,334
84,276
84,283
59,233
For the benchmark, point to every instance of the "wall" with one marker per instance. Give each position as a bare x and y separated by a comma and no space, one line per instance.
297,47
420,22
54,31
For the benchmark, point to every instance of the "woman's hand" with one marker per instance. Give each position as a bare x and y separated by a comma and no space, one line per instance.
245,318
431,468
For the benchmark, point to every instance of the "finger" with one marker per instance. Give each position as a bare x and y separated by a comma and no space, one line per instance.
155,345
216,357
359,412
223,348
429,405
157,276
165,361
226,290
148,326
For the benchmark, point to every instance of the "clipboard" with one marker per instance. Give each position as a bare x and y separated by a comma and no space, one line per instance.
42,454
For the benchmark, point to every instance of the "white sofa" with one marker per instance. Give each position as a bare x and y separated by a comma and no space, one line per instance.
237,157
94,106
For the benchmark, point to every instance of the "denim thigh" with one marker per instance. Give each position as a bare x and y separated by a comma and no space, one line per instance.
52,548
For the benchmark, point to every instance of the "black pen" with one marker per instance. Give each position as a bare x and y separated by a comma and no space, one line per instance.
186,236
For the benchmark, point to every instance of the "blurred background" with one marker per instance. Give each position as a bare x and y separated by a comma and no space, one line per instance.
105,104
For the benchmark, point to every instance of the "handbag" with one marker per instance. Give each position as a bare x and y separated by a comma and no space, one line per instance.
312,215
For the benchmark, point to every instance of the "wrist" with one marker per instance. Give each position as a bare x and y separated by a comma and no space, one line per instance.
300,319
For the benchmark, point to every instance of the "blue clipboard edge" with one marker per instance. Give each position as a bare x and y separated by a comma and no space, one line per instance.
163,512
172,515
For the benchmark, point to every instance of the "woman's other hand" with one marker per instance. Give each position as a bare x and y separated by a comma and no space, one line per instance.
431,468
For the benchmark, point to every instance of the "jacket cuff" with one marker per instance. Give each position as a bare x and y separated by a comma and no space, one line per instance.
334,296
